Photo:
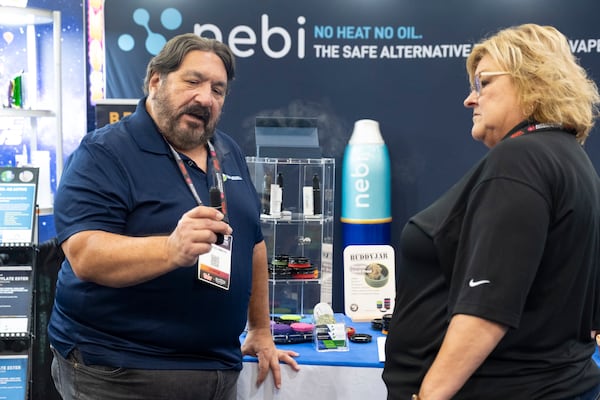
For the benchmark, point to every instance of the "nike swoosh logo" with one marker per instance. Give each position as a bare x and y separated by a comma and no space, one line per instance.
473,283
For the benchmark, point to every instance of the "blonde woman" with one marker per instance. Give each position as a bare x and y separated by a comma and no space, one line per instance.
498,282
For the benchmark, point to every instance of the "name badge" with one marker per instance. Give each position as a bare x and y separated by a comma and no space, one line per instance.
214,267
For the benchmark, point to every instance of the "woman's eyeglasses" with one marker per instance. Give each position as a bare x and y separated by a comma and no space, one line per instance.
477,80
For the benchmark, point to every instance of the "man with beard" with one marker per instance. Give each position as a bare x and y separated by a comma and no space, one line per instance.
136,314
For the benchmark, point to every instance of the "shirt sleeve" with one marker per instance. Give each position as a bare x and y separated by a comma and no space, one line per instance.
499,251
92,194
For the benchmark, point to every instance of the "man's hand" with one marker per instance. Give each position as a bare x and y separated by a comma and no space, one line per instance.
259,343
196,231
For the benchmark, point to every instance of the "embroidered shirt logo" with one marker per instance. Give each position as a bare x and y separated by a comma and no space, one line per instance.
232,177
474,283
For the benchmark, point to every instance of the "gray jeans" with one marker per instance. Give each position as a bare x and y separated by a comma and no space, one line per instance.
76,381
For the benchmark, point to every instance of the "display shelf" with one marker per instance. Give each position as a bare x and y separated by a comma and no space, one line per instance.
19,113
17,16
297,222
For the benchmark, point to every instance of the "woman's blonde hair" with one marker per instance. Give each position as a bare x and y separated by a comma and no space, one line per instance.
552,86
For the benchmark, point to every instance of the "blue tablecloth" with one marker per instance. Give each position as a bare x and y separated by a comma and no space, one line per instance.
358,355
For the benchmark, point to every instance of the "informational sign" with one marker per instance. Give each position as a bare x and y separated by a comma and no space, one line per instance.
18,187
15,301
327,273
369,281
13,377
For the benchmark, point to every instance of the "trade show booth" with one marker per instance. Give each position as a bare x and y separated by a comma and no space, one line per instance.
309,76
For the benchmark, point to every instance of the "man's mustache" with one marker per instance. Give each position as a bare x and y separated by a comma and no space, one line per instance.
198,111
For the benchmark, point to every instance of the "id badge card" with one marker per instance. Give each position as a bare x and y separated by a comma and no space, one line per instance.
214,267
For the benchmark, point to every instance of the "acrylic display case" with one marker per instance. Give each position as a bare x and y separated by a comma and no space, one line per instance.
297,201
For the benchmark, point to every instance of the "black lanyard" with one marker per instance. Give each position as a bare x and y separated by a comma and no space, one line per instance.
217,193
534,128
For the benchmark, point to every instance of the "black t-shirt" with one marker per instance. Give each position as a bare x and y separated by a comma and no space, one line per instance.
515,241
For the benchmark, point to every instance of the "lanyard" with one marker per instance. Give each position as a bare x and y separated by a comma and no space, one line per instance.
217,193
534,128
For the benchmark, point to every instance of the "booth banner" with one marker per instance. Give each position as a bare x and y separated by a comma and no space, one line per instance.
400,63
369,281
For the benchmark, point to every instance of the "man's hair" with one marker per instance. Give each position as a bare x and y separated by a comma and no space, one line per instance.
170,57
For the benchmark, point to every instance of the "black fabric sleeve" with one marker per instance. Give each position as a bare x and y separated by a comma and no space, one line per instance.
499,251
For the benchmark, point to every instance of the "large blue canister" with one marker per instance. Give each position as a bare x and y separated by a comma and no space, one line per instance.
366,187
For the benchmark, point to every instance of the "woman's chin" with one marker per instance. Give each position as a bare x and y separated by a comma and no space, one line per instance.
477,135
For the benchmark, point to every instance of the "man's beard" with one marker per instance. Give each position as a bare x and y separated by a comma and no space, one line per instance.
182,136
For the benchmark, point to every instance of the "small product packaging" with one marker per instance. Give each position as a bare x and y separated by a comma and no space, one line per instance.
329,333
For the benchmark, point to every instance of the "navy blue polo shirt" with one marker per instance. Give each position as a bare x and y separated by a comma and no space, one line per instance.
123,179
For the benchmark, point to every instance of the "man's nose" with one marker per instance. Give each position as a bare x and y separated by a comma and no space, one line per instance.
203,94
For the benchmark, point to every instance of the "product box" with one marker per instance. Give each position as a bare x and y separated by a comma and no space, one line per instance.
331,336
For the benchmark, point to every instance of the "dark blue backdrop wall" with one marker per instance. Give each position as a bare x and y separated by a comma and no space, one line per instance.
399,62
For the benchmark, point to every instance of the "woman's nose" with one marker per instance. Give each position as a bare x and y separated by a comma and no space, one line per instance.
471,99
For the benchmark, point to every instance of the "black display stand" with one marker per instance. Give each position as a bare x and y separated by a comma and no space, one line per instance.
49,258
18,249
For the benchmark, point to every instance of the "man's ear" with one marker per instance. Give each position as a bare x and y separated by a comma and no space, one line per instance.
153,83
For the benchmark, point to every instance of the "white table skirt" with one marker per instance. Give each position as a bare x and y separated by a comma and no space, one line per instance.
314,382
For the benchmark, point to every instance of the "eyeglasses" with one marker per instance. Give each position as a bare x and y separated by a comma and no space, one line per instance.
477,80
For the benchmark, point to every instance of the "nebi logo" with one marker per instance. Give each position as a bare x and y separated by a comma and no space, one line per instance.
275,41
242,38
170,19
